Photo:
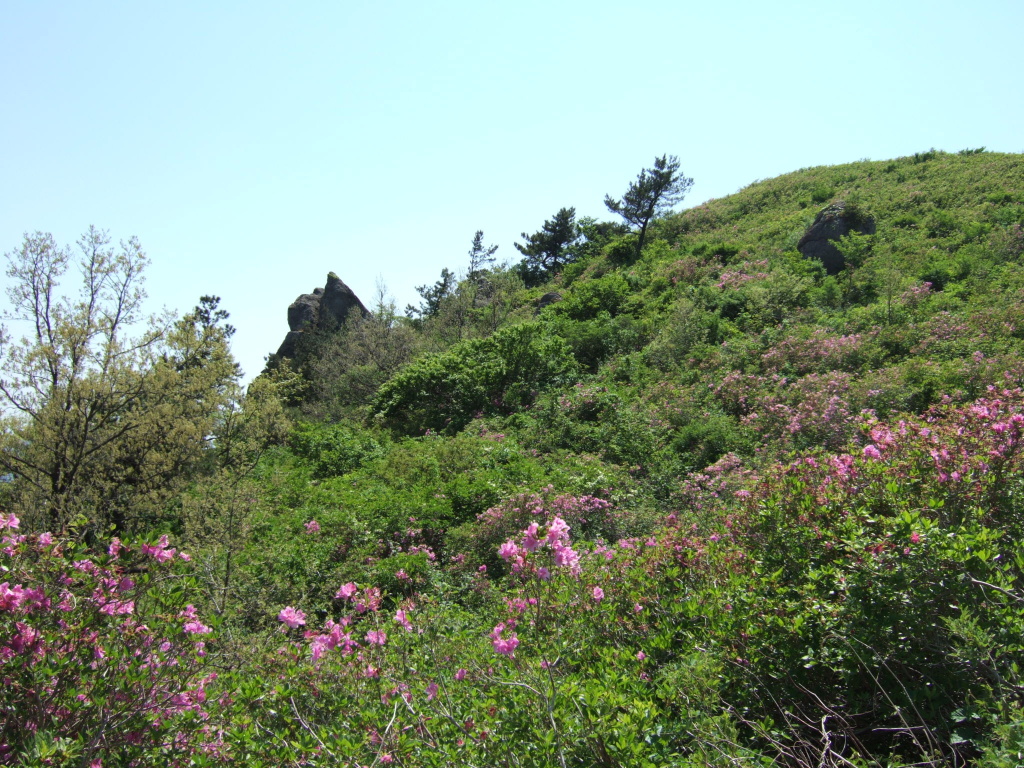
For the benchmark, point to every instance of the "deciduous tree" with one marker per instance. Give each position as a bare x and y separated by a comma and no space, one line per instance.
104,410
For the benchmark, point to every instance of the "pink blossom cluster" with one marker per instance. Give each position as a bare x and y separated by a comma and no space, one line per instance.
555,538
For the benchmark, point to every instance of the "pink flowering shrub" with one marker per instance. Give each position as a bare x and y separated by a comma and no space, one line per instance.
884,567
496,525
813,410
99,661
819,353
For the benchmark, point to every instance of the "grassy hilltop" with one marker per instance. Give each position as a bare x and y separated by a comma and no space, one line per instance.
708,502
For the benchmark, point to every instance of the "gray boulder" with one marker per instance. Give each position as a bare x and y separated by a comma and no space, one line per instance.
831,223
548,298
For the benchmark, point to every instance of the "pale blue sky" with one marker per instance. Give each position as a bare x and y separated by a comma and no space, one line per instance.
252,147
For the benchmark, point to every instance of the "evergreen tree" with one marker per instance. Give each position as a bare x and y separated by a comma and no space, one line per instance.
655,191
550,249
480,256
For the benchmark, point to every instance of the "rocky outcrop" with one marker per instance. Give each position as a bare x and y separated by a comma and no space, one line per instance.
838,219
324,309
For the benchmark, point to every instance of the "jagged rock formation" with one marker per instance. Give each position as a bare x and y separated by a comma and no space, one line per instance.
838,219
325,308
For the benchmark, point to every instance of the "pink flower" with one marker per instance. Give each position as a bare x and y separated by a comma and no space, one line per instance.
9,520
461,674
508,550
292,617
567,557
915,538
558,530
312,527
346,591
196,628
431,691
530,541
871,452
502,645
598,594
373,637
402,621
640,655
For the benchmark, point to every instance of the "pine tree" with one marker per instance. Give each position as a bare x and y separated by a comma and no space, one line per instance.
655,191
550,249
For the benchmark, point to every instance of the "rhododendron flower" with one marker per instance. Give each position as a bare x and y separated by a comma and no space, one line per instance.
502,645
402,621
196,628
431,691
915,538
373,637
871,452
640,655
346,591
558,530
508,550
598,594
566,557
9,520
312,527
292,617
461,674
371,600
530,541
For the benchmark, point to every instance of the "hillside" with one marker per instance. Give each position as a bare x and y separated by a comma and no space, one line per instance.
749,494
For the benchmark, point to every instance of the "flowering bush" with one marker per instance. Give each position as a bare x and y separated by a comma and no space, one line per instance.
100,658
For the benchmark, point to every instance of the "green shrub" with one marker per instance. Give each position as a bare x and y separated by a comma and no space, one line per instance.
333,449
444,392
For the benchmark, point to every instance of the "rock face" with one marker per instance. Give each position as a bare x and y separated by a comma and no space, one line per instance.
819,241
325,308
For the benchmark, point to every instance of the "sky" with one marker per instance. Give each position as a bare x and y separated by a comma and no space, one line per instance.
253,147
